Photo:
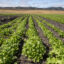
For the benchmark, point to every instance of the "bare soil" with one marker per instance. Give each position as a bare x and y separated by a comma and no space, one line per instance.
5,19
44,41
23,59
57,24
54,32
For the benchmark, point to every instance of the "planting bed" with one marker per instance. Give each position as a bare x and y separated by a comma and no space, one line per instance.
32,39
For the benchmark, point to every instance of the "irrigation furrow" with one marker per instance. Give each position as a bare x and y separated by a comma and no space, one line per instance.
59,25
44,40
21,59
10,47
7,32
54,32
56,45
57,32
33,45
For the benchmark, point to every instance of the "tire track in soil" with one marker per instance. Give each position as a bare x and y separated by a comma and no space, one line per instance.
45,42
57,24
54,32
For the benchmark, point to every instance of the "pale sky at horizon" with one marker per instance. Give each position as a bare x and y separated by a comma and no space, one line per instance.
32,3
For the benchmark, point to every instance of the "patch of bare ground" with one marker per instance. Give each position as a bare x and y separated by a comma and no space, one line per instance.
44,41
4,20
57,24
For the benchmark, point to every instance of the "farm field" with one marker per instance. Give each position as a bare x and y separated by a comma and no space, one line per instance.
32,39
3,11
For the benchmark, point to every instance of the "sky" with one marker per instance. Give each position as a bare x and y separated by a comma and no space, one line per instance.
32,3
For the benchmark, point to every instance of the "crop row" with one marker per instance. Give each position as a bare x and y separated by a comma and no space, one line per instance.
56,55
7,32
11,35
33,47
9,24
60,32
55,18
10,46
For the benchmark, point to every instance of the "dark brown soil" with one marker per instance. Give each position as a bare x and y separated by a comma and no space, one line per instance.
8,36
18,54
54,32
40,32
4,20
23,59
45,42
27,26
57,24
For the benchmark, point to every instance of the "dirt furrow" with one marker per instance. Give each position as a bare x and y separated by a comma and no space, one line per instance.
54,32
57,24
23,59
6,20
44,40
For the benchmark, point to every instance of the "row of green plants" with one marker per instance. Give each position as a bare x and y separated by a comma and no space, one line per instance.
60,32
10,47
7,32
33,47
55,18
56,54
